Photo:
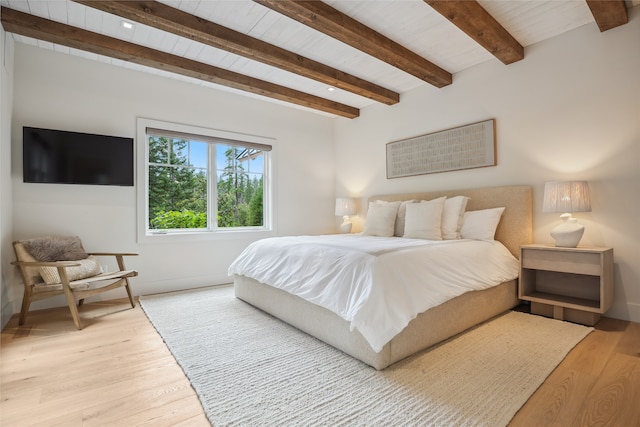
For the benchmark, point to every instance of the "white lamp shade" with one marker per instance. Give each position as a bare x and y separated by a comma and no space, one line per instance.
566,196
345,206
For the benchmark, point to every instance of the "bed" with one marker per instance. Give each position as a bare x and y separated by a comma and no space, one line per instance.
429,327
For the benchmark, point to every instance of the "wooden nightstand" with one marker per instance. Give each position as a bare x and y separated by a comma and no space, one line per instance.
574,284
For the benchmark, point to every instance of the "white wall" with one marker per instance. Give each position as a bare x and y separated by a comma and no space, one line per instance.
569,110
6,203
59,91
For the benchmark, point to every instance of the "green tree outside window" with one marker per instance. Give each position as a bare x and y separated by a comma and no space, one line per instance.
178,185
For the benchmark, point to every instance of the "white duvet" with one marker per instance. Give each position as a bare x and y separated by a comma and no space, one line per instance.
377,284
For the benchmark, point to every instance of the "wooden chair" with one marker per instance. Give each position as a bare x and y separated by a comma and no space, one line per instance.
77,279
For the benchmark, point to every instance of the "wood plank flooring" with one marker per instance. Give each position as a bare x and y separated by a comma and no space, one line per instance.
117,371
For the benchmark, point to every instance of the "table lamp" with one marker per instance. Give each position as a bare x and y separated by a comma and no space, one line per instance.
567,197
344,208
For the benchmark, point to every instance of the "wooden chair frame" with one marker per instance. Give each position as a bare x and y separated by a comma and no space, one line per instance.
73,291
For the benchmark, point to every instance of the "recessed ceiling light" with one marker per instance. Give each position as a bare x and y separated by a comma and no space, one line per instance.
127,25
331,89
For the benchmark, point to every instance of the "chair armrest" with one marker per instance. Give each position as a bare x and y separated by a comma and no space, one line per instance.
111,254
46,263
119,257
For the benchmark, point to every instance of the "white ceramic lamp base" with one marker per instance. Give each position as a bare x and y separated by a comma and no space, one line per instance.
568,233
345,227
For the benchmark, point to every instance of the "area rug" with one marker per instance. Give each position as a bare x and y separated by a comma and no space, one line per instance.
250,369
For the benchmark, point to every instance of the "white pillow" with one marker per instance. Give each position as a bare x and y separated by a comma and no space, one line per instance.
400,218
402,209
381,219
423,220
452,216
88,267
481,224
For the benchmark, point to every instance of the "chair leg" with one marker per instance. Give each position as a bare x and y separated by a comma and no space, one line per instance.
71,302
26,302
126,286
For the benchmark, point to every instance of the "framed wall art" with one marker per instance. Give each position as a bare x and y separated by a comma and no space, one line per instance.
464,147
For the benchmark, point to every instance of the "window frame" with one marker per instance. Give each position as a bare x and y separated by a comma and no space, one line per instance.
146,235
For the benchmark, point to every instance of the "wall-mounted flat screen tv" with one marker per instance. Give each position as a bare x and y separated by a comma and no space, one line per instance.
61,157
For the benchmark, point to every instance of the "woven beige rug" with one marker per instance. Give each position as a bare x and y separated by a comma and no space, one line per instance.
250,369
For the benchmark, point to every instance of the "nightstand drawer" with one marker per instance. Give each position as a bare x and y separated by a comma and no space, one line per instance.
564,261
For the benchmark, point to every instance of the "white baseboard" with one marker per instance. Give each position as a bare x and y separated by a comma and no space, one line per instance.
178,284
7,312
634,312
626,311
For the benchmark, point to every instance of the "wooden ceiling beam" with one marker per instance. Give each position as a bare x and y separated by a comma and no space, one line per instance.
476,22
183,24
322,17
43,29
608,13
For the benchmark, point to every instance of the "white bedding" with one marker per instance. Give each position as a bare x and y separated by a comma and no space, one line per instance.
377,284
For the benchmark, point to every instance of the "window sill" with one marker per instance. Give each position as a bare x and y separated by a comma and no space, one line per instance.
198,236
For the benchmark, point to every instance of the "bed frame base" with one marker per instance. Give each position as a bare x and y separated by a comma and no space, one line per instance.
429,328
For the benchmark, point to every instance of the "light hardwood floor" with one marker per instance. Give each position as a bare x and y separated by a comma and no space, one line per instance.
118,372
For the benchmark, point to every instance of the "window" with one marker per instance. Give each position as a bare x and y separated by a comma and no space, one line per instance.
204,182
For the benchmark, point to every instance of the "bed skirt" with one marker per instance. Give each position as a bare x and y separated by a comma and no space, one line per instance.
429,328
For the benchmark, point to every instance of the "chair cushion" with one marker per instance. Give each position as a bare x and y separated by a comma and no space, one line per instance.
88,267
55,248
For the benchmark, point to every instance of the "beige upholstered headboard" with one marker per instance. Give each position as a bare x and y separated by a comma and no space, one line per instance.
516,225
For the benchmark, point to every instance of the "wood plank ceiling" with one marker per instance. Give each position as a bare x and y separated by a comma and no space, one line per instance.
334,57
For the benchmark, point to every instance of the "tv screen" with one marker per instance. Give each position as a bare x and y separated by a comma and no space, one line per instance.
61,157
